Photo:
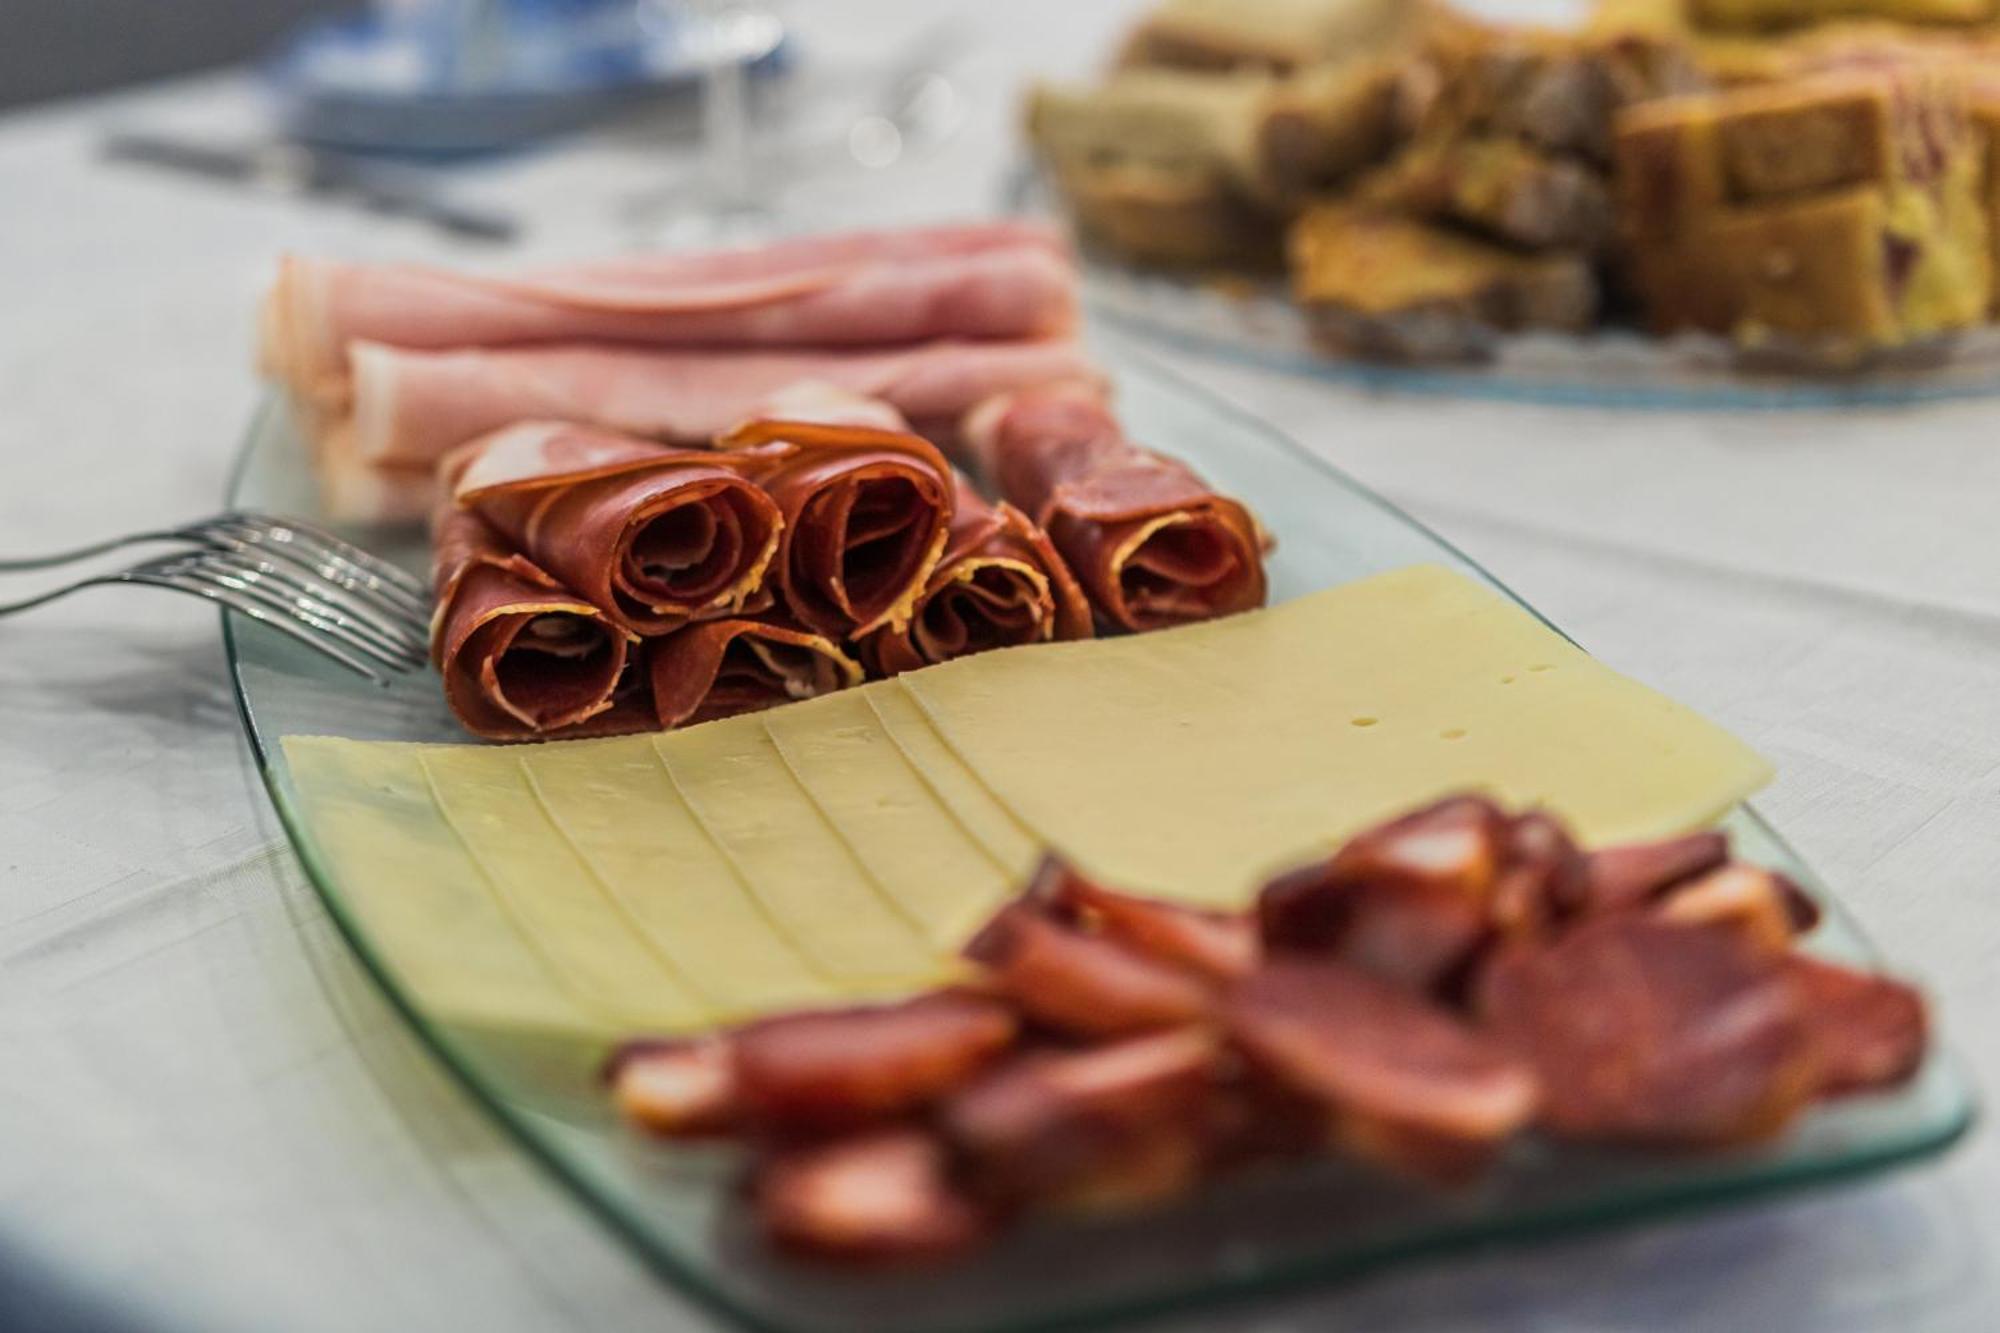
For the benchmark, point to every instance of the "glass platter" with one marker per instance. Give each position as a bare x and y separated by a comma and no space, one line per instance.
676,1205
1248,319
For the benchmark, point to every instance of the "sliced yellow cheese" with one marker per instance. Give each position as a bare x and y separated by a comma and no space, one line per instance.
577,922
843,848
919,853
1192,762
991,824
409,885
792,859
615,803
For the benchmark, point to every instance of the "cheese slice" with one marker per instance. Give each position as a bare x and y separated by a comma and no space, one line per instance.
792,859
408,884
843,848
1192,762
573,919
916,850
991,824
615,803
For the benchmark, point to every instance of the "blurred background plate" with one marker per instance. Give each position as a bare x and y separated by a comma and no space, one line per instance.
678,1206
482,75
1249,319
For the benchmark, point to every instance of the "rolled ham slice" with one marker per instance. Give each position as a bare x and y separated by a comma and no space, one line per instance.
867,512
719,668
522,657
654,538
1151,543
412,407
986,280
999,583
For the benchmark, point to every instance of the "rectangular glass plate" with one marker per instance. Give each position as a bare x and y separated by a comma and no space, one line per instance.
676,1204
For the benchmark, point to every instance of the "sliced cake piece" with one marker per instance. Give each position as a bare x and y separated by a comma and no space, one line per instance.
1378,284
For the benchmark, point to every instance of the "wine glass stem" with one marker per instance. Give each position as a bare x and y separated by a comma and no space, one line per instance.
725,114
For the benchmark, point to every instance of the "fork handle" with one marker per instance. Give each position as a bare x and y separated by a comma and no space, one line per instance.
27,564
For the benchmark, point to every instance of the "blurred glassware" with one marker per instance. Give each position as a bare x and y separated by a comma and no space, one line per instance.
747,169
459,76
730,202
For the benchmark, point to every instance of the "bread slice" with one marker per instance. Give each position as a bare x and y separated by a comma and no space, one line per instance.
1160,165
1770,14
1501,188
1181,216
1380,285
1322,126
1844,213
1277,36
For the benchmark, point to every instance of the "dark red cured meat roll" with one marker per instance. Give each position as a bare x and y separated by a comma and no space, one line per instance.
522,656
866,515
999,584
1151,543
719,668
653,537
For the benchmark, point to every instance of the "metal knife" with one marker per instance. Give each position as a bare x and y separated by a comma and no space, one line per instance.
293,168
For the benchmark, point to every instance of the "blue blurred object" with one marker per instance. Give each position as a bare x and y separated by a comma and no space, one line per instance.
466,76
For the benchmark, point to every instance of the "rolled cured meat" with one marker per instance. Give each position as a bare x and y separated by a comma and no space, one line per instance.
719,668
986,280
654,538
522,657
867,512
1151,543
415,406
999,583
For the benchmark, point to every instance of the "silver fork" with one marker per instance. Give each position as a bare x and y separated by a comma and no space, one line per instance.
303,581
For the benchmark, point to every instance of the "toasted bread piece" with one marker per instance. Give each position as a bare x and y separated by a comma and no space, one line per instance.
1557,91
1167,215
1840,214
1377,284
1984,107
1152,117
1160,165
1279,36
1498,187
1770,14
1321,127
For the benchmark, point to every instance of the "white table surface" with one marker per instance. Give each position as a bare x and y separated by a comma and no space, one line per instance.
209,1120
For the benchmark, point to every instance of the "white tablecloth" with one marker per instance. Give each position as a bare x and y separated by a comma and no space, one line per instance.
209,1120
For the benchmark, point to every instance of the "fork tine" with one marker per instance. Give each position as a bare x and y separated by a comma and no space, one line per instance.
295,531
277,620
193,572
328,556
369,578
391,626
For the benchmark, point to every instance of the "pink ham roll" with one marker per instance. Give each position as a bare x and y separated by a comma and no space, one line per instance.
412,407
1004,280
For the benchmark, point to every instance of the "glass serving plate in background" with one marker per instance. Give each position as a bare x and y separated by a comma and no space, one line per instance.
1250,319
678,1205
